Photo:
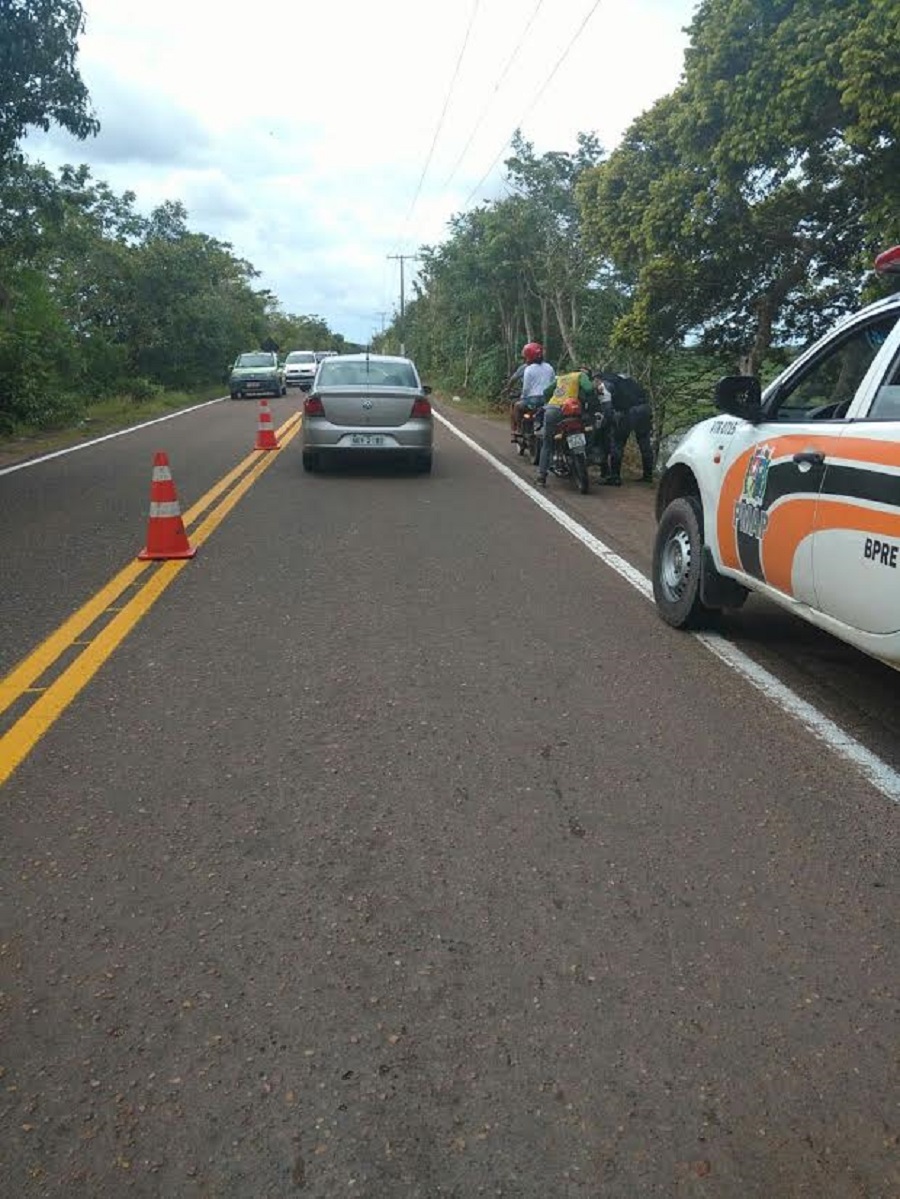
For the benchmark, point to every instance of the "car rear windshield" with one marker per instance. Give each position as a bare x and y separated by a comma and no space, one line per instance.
254,360
367,374
301,356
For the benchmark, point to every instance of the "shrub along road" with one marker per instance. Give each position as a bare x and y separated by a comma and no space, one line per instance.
402,850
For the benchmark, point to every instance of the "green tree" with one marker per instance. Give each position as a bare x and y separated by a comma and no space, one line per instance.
511,271
560,262
39,82
745,205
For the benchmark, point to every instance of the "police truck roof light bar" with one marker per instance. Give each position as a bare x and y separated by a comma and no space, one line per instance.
888,263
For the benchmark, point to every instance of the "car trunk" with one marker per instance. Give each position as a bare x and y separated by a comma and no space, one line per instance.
380,407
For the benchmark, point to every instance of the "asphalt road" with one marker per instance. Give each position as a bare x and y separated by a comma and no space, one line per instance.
401,850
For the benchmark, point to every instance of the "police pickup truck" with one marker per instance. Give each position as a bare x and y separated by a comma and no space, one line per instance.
794,492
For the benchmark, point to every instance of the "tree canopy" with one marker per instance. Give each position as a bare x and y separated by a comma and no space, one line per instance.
737,217
96,297
40,84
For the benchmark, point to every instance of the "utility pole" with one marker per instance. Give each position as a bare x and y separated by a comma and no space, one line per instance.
402,258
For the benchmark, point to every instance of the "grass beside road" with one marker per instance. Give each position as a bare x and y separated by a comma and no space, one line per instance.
476,405
108,415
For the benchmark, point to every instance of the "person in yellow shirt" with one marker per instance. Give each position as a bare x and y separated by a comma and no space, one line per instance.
574,385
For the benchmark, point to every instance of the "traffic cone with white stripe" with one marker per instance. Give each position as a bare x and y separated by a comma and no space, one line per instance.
265,437
166,537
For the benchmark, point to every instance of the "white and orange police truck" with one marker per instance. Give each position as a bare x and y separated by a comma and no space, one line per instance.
794,492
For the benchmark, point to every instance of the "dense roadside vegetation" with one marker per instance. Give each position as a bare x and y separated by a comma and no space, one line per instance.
738,217
106,314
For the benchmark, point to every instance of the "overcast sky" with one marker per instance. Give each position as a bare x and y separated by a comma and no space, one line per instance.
299,132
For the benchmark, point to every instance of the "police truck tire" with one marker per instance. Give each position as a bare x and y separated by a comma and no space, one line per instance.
677,556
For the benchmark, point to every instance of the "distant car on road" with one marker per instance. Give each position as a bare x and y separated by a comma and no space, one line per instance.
320,354
256,373
794,492
367,405
300,368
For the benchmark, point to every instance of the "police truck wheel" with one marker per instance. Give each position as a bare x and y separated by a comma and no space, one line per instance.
676,564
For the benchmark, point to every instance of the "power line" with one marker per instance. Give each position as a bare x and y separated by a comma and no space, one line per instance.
444,110
546,84
497,86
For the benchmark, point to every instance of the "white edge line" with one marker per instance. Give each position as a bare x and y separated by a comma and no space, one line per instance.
878,773
83,445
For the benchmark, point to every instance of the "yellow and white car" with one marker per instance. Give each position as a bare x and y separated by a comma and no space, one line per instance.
794,492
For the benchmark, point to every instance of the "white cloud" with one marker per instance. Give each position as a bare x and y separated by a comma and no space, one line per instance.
299,134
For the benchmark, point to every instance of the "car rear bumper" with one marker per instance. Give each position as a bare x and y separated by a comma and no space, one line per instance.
415,436
249,387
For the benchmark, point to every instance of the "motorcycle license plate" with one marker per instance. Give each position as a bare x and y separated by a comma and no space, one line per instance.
576,441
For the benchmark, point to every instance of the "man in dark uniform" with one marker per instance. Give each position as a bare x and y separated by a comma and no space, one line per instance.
626,409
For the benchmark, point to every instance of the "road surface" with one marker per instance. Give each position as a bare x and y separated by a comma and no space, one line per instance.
399,849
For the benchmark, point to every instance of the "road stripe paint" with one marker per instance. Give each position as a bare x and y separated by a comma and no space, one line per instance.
224,483
18,742
30,669
42,658
84,445
878,773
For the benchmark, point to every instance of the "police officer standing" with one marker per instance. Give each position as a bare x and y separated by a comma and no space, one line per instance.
626,410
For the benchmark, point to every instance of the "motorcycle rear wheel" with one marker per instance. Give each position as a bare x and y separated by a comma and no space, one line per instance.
580,473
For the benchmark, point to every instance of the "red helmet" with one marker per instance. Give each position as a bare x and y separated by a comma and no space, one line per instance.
533,351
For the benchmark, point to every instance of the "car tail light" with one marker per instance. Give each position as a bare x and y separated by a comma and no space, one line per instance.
421,407
313,406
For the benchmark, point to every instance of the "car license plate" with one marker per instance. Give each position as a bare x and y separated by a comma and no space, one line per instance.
576,441
253,385
367,439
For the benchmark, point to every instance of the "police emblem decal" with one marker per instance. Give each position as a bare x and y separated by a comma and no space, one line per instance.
750,517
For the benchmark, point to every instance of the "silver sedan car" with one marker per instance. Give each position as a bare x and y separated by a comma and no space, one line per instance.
367,405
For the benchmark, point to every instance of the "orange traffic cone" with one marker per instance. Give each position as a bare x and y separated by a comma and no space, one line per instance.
166,537
265,437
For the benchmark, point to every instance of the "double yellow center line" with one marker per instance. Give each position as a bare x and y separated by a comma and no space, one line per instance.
52,700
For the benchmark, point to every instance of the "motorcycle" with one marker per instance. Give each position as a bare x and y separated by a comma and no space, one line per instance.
568,458
526,438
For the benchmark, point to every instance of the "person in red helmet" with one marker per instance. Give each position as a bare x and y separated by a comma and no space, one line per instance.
536,378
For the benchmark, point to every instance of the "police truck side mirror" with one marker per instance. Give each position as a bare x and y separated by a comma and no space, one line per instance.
740,395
